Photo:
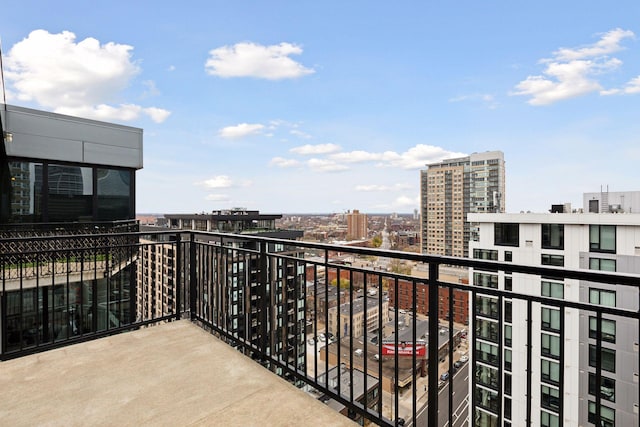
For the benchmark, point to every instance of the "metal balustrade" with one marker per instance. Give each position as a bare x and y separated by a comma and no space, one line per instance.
301,311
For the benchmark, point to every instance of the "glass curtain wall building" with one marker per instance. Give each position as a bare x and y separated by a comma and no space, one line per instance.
65,175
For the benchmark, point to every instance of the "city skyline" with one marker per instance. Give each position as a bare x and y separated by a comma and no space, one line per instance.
326,108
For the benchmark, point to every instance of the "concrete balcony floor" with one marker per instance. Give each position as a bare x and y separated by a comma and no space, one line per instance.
175,374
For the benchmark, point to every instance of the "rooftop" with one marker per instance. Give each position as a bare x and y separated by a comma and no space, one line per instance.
171,374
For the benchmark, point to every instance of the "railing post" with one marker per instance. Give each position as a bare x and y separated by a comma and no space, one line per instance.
178,285
432,369
193,283
264,300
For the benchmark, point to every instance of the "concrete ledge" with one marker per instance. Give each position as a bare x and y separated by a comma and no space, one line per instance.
174,374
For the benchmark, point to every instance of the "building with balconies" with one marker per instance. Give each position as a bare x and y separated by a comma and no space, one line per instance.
560,363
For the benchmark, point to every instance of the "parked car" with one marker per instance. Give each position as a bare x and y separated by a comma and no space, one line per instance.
444,376
464,359
457,364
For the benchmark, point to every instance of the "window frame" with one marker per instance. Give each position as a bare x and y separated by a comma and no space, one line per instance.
506,234
548,232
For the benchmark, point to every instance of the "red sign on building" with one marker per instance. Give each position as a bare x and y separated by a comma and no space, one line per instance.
404,349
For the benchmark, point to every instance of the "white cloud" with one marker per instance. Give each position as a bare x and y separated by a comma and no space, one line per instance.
254,60
217,197
241,130
309,149
220,181
487,99
322,165
632,87
608,43
281,162
414,158
572,72
300,134
72,77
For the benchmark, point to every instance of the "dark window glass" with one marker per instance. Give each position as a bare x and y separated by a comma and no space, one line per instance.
552,236
508,256
607,415
25,198
607,387
507,384
602,238
554,260
70,196
114,194
507,360
608,358
507,408
508,283
485,254
507,335
485,280
508,311
487,399
608,329
487,306
506,234
550,398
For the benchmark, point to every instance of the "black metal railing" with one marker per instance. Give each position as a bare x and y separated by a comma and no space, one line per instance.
371,340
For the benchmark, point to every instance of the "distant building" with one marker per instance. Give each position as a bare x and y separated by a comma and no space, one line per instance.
453,188
612,201
365,312
357,228
243,288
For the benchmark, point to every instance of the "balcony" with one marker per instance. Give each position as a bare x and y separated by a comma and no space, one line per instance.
216,348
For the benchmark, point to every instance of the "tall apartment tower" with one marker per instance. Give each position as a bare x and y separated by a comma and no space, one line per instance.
453,188
357,225
558,342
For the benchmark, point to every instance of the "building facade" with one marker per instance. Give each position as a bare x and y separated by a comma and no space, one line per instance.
563,339
357,228
244,288
612,201
453,188
77,177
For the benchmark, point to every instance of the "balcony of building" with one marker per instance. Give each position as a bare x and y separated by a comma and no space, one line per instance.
96,331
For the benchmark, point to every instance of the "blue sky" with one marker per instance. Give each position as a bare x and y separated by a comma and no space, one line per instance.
308,107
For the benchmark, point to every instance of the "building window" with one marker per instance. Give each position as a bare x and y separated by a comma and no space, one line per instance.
549,420
507,384
554,260
550,319
508,256
550,398
602,238
550,371
553,290
507,360
506,234
507,335
487,399
607,415
485,254
552,236
487,376
487,353
115,194
608,358
602,264
486,306
508,283
487,330
602,297
508,311
70,195
550,346
608,329
507,408
607,387
485,419
485,280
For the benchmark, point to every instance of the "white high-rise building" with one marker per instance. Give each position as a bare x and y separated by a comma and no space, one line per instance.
563,345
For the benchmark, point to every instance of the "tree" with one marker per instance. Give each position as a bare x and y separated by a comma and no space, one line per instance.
344,283
376,241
